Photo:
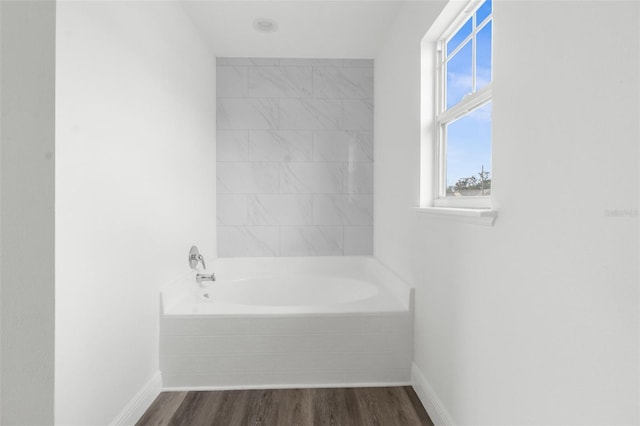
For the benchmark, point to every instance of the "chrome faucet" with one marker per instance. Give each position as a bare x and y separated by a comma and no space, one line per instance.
205,277
195,257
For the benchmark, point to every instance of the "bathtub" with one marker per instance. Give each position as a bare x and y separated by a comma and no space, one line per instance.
287,322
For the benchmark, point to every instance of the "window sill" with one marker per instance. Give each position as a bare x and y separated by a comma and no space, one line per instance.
483,217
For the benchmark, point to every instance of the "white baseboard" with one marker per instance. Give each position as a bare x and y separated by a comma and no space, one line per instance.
432,403
284,386
132,412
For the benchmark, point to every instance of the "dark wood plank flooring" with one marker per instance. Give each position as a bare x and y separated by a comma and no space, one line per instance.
383,406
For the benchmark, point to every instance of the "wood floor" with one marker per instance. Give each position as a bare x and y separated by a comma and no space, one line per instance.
385,406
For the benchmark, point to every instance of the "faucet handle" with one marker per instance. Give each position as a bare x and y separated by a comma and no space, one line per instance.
195,257
201,259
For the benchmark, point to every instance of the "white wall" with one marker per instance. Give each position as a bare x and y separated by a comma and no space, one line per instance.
533,321
27,34
397,146
0,216
135,188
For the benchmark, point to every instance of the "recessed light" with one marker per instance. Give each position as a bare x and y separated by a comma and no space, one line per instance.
265,25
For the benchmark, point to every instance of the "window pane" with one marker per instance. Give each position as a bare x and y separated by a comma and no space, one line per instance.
459,36
483,56
483,12
459,81
469,154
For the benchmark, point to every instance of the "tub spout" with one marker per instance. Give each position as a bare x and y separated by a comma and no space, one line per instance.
205,277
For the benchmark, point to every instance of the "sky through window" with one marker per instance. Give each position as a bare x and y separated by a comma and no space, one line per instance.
469,137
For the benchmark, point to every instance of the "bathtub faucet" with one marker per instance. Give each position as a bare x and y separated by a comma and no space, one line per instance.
205,277
195,257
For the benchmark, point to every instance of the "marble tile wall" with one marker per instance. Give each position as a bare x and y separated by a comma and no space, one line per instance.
294,157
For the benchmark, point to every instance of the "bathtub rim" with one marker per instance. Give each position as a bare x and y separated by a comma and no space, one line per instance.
404,293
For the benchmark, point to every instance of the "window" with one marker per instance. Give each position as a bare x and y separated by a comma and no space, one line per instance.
463,109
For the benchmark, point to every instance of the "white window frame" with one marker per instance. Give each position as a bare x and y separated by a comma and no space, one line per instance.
469,103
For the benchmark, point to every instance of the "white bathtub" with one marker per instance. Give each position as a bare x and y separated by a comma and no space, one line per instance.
288,322
284,286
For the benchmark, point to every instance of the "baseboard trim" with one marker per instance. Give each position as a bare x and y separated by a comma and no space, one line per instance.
283,386
432,403
132,412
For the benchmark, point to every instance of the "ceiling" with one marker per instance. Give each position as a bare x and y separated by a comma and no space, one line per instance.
306,28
